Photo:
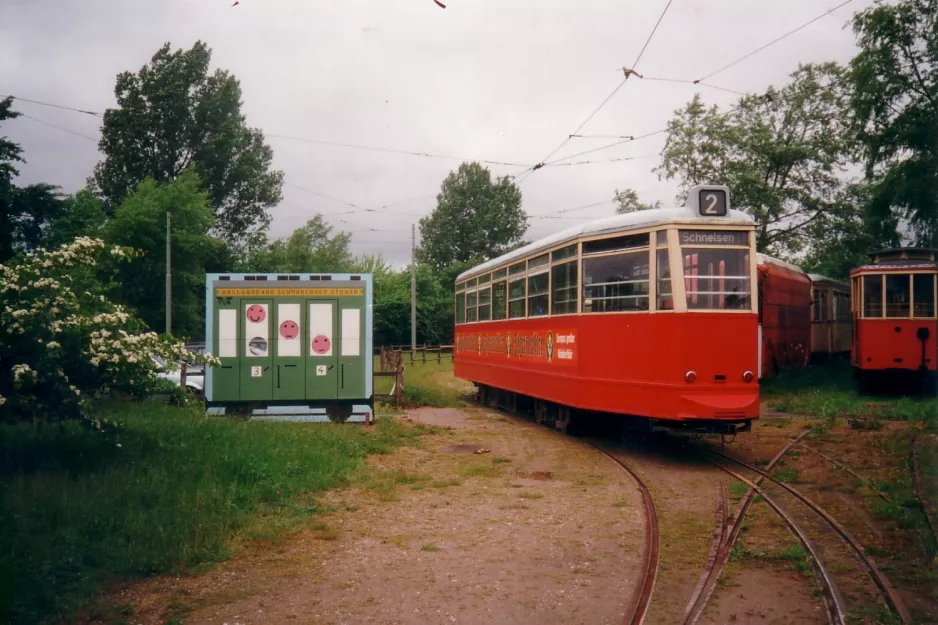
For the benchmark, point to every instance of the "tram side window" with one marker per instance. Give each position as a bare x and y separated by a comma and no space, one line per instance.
841,306
665,296
537,294
460,308
716,278
923,289
820,304
499,300
873,296
516,299
615,283
897,295
471,310
563,289
485,304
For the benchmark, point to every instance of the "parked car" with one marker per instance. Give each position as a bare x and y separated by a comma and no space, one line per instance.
194,375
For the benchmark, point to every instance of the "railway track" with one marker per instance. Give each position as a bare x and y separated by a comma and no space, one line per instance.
714,567
641,598
890,597
921,492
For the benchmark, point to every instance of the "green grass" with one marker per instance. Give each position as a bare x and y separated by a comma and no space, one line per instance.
794,554
425,384
169,491
737,489
828,390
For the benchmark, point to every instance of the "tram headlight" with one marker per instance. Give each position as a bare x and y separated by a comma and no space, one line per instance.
690,376
748,377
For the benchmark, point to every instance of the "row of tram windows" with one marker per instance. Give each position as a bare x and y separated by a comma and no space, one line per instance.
898,295
612,275
830,305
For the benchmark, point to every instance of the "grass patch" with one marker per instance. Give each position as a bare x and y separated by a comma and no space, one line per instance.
829,390
794,554
500,460
788,475
429,547
170,490
425,384
737,489
620,503
482,470
527,494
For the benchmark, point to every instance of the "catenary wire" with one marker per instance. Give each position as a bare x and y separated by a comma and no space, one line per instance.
773,42
57,106
641,53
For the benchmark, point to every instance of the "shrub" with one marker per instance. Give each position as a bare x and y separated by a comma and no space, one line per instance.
63,342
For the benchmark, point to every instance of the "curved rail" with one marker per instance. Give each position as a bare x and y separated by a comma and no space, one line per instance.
714,570
843,467
837,609
719,533
918,481
888,593
641,599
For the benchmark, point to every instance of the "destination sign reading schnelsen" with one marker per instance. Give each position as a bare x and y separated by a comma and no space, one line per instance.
714,237
286,292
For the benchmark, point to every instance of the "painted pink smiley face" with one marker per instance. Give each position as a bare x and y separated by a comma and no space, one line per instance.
256,313
289,329
321,344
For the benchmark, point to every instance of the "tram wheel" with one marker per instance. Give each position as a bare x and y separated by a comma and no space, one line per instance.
564,418
541,412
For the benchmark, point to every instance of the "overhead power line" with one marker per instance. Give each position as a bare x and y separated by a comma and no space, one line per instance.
773,42
628,72
390,150
57,106
62,128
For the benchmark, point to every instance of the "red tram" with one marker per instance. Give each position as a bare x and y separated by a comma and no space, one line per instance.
648,314
784,316
895,327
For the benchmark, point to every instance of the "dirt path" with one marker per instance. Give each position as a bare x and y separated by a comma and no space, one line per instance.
536,529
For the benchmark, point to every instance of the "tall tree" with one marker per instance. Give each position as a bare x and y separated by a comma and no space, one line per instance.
475,218
140,223
25,212
781,153
81,215
310,248
628,202
173,114
895,78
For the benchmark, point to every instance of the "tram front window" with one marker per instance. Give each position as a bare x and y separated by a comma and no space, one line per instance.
716,278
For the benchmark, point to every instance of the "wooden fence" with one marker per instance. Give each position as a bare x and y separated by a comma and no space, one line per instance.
392,359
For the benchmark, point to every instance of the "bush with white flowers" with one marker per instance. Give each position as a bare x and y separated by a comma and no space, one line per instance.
62,342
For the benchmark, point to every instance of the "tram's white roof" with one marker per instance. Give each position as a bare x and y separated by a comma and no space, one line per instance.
816,277
606,225
771,260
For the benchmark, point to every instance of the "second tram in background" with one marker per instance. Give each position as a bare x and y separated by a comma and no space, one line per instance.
895,338
648,314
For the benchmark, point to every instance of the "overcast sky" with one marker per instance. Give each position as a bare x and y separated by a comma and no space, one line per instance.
503,80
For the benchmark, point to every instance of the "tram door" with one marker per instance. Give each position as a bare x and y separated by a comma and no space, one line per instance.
257,375
289,361
322,371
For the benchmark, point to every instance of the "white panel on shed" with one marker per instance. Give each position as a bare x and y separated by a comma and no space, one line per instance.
288,330
351,331
320,329
227,333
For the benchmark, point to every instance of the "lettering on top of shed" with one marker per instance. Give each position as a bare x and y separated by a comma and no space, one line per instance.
289,292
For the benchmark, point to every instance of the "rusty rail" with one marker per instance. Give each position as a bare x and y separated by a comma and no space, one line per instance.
641,599
921,490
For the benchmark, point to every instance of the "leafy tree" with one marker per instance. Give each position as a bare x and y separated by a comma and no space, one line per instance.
475,218
140,223
895,99
173,114
24,211
81,215
780,152
841,238
311,248
628,202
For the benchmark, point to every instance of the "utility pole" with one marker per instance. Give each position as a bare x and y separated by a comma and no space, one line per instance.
413,288
169,279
